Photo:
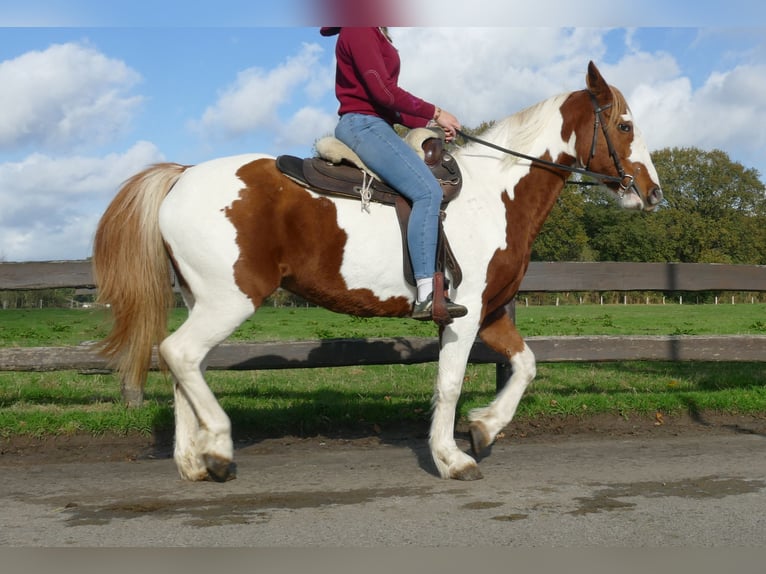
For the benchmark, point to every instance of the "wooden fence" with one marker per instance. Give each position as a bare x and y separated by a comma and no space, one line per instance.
540,277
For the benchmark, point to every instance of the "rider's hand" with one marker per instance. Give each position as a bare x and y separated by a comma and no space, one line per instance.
447,122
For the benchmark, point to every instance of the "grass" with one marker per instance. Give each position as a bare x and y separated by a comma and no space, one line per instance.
50,327
311,401
643,320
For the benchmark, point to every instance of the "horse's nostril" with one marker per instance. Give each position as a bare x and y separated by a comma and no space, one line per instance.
655,196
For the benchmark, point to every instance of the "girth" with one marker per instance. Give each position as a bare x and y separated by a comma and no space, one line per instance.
346,180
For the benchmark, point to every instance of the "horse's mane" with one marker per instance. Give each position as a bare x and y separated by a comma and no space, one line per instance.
522,130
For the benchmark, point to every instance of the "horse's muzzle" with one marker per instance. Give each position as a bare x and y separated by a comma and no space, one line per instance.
654,197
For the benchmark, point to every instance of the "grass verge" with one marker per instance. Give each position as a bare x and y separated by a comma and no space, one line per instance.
329,400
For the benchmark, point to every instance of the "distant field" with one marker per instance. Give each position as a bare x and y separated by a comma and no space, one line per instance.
43,327
309,401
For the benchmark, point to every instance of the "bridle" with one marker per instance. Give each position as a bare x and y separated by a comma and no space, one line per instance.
625,181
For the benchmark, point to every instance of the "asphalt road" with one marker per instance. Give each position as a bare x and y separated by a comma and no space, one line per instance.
706,490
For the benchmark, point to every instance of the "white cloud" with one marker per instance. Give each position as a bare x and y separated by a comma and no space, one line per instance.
640,69
49,206
483,74
64,96
724,113
306,126
253,101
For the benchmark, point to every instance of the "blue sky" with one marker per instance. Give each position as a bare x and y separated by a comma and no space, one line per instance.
94,91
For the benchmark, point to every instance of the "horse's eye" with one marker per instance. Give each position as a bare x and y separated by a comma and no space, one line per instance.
625,127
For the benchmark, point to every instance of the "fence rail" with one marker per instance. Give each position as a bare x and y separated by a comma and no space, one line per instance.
545,277
385,351
541,276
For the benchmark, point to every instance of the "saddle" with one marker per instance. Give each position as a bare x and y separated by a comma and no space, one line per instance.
338,171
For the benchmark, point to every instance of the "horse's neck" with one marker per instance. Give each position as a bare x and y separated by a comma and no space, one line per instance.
529,195
532,132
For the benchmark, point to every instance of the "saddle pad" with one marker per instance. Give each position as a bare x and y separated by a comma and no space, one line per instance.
343,180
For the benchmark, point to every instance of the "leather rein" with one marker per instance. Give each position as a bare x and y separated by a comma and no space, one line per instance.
625,181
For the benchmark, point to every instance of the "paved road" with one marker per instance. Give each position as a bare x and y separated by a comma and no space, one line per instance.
706,490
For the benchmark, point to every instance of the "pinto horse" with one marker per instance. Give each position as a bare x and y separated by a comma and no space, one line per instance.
235,229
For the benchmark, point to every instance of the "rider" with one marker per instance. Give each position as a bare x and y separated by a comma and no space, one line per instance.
366,85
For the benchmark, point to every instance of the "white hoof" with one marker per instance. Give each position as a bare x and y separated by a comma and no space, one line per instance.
457,465
191,467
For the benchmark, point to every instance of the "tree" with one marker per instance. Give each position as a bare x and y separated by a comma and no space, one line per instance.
619,235
714,212
708,182
715,208
563,236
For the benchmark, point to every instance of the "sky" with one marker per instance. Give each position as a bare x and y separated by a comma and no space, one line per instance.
92,92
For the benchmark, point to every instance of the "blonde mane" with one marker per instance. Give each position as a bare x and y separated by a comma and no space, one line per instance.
521,131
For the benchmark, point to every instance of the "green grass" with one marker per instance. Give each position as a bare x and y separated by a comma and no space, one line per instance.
642,320
50,327
310,401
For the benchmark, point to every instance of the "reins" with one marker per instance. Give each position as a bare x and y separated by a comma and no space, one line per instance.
625,181
545,162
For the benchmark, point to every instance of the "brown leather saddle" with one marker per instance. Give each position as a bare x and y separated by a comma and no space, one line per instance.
339,176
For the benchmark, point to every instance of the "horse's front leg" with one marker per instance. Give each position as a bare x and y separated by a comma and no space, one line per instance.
501,335
450,461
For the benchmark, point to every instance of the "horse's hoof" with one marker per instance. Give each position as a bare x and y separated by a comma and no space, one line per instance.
220,469
479,437
470,472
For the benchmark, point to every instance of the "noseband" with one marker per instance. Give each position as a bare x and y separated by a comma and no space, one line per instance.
625,181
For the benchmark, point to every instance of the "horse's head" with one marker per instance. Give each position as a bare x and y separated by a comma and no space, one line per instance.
617,148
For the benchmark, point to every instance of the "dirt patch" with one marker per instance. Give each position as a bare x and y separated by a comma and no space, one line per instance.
700,488
231,509
21,450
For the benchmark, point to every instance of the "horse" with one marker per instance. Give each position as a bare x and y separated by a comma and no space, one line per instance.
234,229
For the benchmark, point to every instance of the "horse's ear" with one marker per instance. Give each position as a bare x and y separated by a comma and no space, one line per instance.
597,84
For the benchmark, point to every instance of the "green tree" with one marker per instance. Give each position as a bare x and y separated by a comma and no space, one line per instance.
563,236
714,212
708,182
715,208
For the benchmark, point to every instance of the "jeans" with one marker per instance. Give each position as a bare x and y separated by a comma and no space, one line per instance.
394,161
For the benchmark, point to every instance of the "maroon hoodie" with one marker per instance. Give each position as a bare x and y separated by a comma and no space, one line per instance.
367,75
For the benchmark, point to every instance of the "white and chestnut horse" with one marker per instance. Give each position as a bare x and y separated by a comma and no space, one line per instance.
235,229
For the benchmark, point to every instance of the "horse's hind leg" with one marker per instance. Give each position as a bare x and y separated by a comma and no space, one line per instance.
501,335
186,424
203,447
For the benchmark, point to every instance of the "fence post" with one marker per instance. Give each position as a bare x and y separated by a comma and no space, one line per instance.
504,370
132,394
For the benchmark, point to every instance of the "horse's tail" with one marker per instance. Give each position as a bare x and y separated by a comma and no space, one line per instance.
132,273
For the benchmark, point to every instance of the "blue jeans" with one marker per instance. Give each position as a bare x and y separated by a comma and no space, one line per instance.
391,158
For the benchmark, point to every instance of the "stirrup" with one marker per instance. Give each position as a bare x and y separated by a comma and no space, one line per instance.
423,311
